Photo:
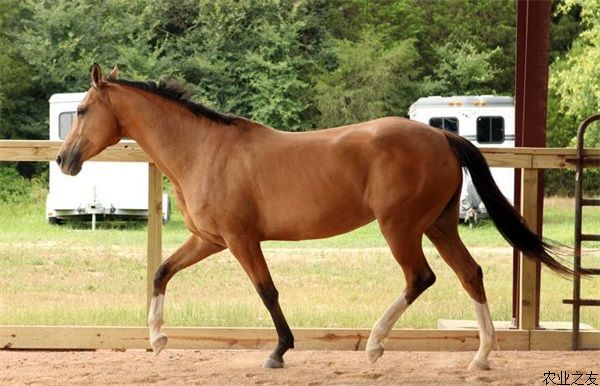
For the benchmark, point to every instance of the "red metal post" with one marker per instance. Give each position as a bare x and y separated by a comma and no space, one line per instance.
531,100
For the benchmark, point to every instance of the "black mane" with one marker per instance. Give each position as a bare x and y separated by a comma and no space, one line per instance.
176,92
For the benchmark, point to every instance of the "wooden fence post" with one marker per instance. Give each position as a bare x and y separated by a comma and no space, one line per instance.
155,187
529,272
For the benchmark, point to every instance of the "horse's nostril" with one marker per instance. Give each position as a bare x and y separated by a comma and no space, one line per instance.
58,160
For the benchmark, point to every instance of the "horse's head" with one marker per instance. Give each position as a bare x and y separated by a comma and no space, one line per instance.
94,128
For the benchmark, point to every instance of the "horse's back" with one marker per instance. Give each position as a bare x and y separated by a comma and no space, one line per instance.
378,137
325,182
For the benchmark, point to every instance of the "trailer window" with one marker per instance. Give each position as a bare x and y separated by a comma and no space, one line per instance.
490,129
64,123
446,123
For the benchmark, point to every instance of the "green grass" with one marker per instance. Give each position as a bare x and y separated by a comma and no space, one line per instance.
71,275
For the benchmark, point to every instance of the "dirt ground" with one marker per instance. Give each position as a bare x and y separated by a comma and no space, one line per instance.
242,367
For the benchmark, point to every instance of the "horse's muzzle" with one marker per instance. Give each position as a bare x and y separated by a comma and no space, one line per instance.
69,162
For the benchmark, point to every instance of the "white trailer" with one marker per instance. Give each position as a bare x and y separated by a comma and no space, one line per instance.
486,121
101,189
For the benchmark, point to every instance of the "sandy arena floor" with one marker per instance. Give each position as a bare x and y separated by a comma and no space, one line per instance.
242,367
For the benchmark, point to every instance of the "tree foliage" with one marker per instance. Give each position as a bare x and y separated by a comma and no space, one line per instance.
368,81
293,64
464,70
17,94
574,76
247,58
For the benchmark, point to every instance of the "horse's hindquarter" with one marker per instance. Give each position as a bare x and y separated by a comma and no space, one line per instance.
322,183
414,175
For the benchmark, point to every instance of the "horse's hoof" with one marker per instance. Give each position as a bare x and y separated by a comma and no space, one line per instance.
159,343
271,363
479,365
373,354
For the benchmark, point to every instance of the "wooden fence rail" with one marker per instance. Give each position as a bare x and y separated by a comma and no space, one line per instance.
527,338
522,157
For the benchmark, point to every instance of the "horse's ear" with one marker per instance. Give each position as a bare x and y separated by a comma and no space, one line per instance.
96,75
114,74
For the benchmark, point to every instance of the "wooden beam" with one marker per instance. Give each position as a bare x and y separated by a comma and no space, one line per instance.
565,160
120,338
508,160
553,340
154,242
29,150
526,157
528,293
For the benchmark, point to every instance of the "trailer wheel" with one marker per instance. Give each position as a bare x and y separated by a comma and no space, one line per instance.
472,217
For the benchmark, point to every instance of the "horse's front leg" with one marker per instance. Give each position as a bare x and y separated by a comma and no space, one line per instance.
191,252
251,258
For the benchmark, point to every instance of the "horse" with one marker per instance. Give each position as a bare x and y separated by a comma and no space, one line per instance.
238,182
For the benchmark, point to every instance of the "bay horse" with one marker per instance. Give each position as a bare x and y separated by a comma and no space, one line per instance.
238,182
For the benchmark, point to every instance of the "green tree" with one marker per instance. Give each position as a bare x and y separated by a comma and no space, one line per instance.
572,76
73,34
570,19
16,94
246,58
58,40
483,27
463,70
369,81
566,27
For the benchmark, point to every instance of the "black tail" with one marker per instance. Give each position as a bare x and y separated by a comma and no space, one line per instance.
508,221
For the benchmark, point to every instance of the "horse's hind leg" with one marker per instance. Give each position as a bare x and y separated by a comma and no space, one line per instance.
251,258
406,248
191,252
444,235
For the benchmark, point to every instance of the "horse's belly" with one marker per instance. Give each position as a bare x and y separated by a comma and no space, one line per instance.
314,220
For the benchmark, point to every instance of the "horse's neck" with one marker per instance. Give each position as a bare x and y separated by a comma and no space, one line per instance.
170,135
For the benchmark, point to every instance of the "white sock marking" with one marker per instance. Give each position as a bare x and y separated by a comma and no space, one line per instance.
383,326
155,316
487,334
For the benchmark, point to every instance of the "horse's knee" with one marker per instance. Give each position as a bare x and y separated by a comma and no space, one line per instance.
426,280
163,273
473,283
418,284
269,295
477,275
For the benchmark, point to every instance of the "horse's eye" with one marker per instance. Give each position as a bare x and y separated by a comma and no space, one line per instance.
80,112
